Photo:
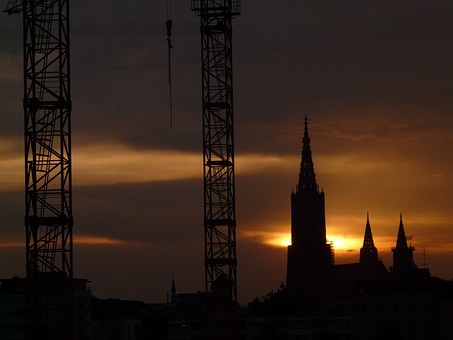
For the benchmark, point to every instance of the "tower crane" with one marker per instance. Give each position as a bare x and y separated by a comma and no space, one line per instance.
48,179
218,144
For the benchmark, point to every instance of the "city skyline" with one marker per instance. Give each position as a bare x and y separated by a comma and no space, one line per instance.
374,79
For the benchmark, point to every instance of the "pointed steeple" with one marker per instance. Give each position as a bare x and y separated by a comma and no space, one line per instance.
310,257
403,262
401,241
307,178
368,253
368,238
173,291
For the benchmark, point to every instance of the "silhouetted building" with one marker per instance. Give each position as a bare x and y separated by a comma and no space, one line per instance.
115,319
18,315
13,305
403,261
205,316
404,308
310,257
360,300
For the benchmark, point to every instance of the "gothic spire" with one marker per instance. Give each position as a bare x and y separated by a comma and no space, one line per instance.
401,241
307,178
368,238
368,253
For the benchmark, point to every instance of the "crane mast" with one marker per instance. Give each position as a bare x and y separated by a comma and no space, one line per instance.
48,179
218,144
47,126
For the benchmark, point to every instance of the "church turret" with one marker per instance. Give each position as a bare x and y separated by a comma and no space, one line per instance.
403,262
309,256
368,253
401,241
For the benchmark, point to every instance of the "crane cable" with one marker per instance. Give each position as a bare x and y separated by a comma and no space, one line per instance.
170,46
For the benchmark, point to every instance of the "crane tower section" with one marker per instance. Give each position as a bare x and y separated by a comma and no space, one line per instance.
218,145
47,125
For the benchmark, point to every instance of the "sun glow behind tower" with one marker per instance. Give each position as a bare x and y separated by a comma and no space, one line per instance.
339,242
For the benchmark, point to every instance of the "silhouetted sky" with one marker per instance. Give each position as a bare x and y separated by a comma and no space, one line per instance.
374,77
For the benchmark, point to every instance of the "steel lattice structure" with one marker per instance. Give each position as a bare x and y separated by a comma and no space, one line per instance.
218,144
47,110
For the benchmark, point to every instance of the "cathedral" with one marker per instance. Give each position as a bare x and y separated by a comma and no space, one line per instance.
366,299
311,258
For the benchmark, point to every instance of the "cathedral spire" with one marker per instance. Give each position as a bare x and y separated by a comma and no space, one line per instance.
368,253
310,257
307,178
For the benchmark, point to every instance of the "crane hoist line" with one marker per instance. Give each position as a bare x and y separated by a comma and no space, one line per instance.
168,25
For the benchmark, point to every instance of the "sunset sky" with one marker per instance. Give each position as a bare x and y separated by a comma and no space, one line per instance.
375,78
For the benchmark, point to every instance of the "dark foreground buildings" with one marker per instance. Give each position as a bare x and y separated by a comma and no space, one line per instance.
321,299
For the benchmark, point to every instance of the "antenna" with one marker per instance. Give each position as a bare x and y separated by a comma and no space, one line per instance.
425,262
169,25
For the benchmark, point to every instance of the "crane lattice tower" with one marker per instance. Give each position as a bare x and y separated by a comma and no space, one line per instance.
47,113
48,181
218,145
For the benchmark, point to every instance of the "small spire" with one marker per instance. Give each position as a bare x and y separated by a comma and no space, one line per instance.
401,241
368,253
403,261
368,238
173,291
307,177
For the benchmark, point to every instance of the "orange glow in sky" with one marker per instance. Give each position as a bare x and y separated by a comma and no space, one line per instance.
81,240
340,242
344,243
112,163
100,240
279,240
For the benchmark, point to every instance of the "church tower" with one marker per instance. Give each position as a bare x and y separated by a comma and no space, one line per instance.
403,262
309,256
368,253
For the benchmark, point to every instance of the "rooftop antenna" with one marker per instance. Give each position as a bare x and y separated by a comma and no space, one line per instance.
169,24
425,262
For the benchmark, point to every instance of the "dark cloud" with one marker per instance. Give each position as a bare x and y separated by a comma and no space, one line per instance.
163,213
326,58
263,200
12,215
165,221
